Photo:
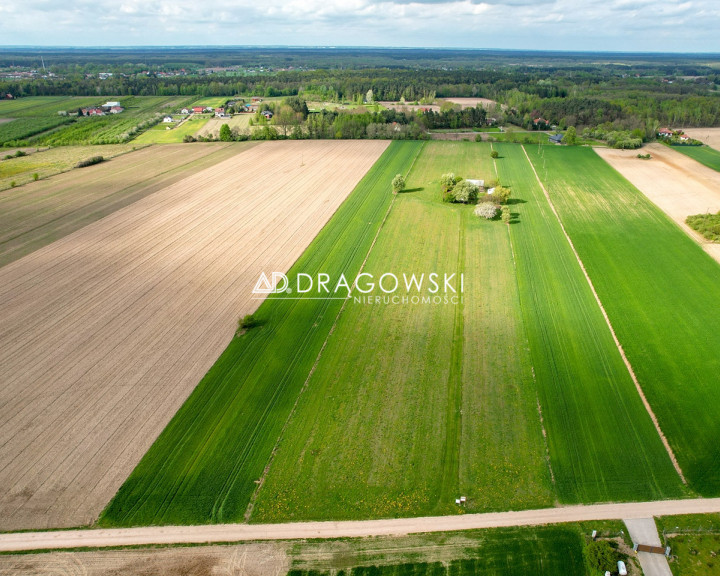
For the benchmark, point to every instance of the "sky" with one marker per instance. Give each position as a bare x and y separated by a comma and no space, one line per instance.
598,25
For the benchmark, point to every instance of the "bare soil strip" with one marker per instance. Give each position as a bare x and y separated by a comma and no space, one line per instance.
677,184
709,136
106,332
612,330
212,533
39,213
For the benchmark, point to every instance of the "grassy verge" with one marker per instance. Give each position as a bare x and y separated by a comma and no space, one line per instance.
660,290
204,466
602,443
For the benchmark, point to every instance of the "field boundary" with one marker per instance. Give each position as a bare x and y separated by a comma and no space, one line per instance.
629,367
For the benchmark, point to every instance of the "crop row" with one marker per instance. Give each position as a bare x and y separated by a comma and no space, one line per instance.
661,292
602,442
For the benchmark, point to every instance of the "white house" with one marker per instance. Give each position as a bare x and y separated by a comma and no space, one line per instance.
167,119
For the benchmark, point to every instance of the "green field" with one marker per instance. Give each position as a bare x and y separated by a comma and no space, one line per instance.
45,106
203,467
415,405
22,128
34,112
162,134
703,154
661,291
595,421
550,550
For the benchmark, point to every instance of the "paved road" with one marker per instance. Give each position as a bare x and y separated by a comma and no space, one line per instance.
96,538
644,531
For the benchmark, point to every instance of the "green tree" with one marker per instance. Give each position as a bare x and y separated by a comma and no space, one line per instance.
570,137
466,192
505,214
398,184
600,556
225,133
447,181
501,194
494,154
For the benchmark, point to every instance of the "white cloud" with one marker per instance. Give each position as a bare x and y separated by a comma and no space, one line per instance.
556,24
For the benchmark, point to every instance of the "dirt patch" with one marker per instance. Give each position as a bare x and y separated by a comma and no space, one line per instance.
410,107
677,184
107,331
239,560
472,102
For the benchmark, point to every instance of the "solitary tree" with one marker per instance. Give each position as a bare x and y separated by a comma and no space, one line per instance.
225,133
570,137
398,184
494,154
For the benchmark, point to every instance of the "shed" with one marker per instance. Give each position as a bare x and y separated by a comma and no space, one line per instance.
478,183
556,138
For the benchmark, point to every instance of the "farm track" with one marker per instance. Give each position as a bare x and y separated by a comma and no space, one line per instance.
106,331
209,534
625,360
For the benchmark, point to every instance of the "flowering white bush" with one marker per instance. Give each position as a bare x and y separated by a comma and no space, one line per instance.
486,210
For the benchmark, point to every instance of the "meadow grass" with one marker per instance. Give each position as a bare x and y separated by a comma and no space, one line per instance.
159,134
411,405
602,443
204,465
661,292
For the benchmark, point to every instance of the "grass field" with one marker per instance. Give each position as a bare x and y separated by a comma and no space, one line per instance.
217,445
660,290
424,400
703,154
548,550
603,445
695,543
162,134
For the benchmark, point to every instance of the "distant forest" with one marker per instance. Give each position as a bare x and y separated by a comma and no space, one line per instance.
624,91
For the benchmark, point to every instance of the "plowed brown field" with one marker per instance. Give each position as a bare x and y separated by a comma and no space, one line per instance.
105,332
39,213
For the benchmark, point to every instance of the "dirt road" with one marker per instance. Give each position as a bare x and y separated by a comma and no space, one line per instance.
347,529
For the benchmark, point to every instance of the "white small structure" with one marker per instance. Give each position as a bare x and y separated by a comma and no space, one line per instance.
622,570
167,119
184,111
478,183
111,104
491,190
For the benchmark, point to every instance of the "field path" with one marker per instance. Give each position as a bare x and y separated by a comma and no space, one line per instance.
612,330
207,534
106,332
677,184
